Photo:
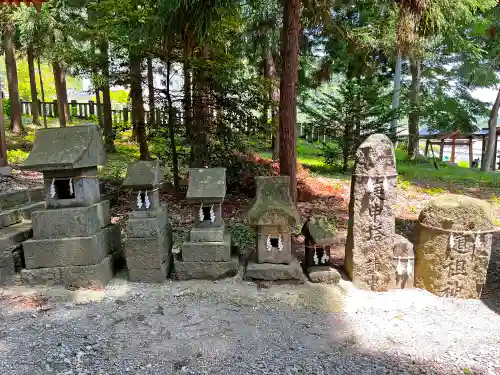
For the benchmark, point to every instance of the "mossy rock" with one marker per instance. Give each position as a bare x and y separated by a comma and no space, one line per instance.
458,213
319,231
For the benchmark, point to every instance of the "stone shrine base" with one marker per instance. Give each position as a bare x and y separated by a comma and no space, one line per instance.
323,274
92,276
274,272
205,270
151,275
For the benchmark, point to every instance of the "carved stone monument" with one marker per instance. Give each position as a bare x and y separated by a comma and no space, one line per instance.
74,242
370,236
148,232
273,214
207,253
454,246
319,237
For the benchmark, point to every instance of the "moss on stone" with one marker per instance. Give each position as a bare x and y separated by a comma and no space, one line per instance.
272,199
458,213
143,174
206,185
319,230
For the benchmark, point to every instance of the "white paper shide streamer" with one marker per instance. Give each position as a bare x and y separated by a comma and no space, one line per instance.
269,247
315,257
399,267
325,257
200,213
146,200
212,214
280,244
139,200
71,186
52,189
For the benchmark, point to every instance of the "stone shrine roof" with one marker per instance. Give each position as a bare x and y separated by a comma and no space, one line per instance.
319,230
206,185
65,148
272,199
143,175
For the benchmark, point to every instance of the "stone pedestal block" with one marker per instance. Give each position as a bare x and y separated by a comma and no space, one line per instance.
91,276
60,252
14,234
151,275
149,252
6,266
70,222
207,251
139,227
207,234
205,270
323,274
274,272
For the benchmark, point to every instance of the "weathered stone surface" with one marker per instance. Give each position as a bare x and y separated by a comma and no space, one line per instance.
14,234
66,148
273,202
205,270
403,264
370,239
91,276
273,272
323,274
143,175
85,187
319,230
207,251
215,234
274,255
71,222
135,214
147,226
451,257
150,275
206,185
60,252
6,266
10,217
149,252
17,198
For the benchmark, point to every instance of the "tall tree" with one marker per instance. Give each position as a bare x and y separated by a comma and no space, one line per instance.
11,67
61,92
35,105
288,93
138,116
44,111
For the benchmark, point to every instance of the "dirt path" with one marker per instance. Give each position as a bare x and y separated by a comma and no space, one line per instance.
231,327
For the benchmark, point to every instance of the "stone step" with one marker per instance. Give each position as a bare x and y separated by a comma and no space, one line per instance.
18,214
21,197
15,234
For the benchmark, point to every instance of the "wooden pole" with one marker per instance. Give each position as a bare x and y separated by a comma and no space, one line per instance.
471,152
426,148
495,153
483,148
441,150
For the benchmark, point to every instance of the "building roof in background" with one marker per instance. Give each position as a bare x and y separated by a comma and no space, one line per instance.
457,134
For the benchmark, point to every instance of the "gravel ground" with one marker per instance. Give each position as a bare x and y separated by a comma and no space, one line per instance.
234,327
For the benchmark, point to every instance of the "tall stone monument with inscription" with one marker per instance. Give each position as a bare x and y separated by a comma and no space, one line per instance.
454,246
274,214
148,232
74,242
207,254
370,237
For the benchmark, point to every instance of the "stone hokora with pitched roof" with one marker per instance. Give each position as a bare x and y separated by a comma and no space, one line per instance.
319,236
74,242
148,232
207,254
273,214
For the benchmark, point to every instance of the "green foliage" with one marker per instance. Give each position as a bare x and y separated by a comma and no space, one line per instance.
17,156
243,237
6,106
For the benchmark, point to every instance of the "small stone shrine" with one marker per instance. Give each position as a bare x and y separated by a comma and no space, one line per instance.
454,246
403,261
274,214
319,236
148,240
207,253
370,237
74,242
